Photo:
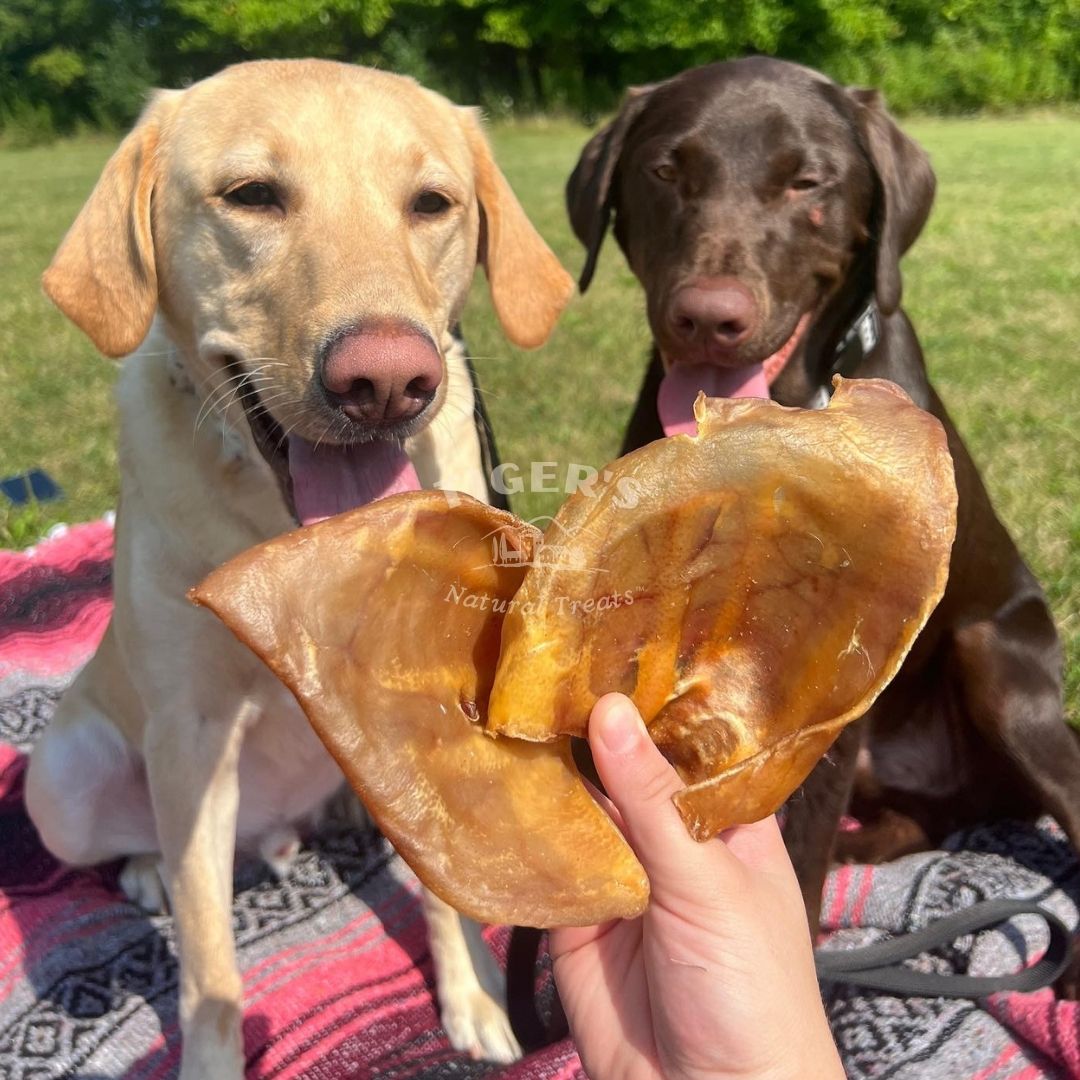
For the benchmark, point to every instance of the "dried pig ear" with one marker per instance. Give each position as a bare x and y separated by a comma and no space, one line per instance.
752,589
385,623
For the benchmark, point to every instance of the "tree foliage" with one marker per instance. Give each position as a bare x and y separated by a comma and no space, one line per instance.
70,62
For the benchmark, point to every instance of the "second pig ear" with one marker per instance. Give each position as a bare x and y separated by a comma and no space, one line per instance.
103,275
589,189
529,286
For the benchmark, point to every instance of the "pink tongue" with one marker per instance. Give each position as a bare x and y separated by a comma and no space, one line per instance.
681,384
332,479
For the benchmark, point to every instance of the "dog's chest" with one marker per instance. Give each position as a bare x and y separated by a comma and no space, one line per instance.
285,771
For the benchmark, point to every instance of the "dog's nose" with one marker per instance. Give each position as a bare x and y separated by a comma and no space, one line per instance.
719,311
383,374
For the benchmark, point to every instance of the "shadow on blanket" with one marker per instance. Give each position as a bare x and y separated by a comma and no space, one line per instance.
336,969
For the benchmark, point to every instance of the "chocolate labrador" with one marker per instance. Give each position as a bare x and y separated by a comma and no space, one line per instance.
764,209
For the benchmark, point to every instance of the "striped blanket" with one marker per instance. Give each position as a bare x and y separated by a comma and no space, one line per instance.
337,974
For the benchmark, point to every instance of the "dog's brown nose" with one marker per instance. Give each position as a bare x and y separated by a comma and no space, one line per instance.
383,374
714,311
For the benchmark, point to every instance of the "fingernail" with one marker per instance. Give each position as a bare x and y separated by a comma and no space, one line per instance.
621,728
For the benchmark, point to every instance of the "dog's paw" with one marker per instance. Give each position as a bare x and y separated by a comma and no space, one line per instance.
278,849
478,1026
141,882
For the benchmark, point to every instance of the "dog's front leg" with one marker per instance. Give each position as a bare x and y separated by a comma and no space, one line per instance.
192,765
471,988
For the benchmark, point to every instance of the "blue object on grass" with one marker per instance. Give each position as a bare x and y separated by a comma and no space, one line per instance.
35,485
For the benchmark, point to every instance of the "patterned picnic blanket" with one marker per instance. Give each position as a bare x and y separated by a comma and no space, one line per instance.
337,975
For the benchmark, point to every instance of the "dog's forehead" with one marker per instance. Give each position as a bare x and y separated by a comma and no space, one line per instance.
315,115
757,101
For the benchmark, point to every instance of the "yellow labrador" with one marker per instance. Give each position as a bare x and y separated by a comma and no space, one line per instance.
286,247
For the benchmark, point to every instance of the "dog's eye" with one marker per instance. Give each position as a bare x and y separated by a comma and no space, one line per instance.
805,183
665,172
254,194
430,204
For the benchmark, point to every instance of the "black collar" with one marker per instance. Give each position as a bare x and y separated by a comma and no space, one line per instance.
859,342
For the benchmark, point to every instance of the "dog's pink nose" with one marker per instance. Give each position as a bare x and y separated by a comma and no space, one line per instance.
383,374
714,311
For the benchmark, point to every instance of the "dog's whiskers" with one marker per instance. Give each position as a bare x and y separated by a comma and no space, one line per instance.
339,429
322,435
219,380
286,432
217,398
450,411
484,391
283,395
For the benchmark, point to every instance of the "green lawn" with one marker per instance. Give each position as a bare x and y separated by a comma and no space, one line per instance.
993,287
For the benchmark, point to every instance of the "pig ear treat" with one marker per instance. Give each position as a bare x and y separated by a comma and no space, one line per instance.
384,622
752,588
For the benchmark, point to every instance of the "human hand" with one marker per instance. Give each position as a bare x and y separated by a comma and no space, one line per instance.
716,979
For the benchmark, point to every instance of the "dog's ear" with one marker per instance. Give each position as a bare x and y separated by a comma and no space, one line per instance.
102,276
907,191
529,286
588,191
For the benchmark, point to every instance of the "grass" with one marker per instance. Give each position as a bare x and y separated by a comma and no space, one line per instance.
56,390
24,525
991,286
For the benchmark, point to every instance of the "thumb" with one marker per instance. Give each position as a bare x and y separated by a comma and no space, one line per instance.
640,782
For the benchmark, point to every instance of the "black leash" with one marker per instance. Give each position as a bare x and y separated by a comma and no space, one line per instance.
879,966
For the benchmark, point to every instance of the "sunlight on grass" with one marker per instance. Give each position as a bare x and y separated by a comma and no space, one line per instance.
991,286
21,526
